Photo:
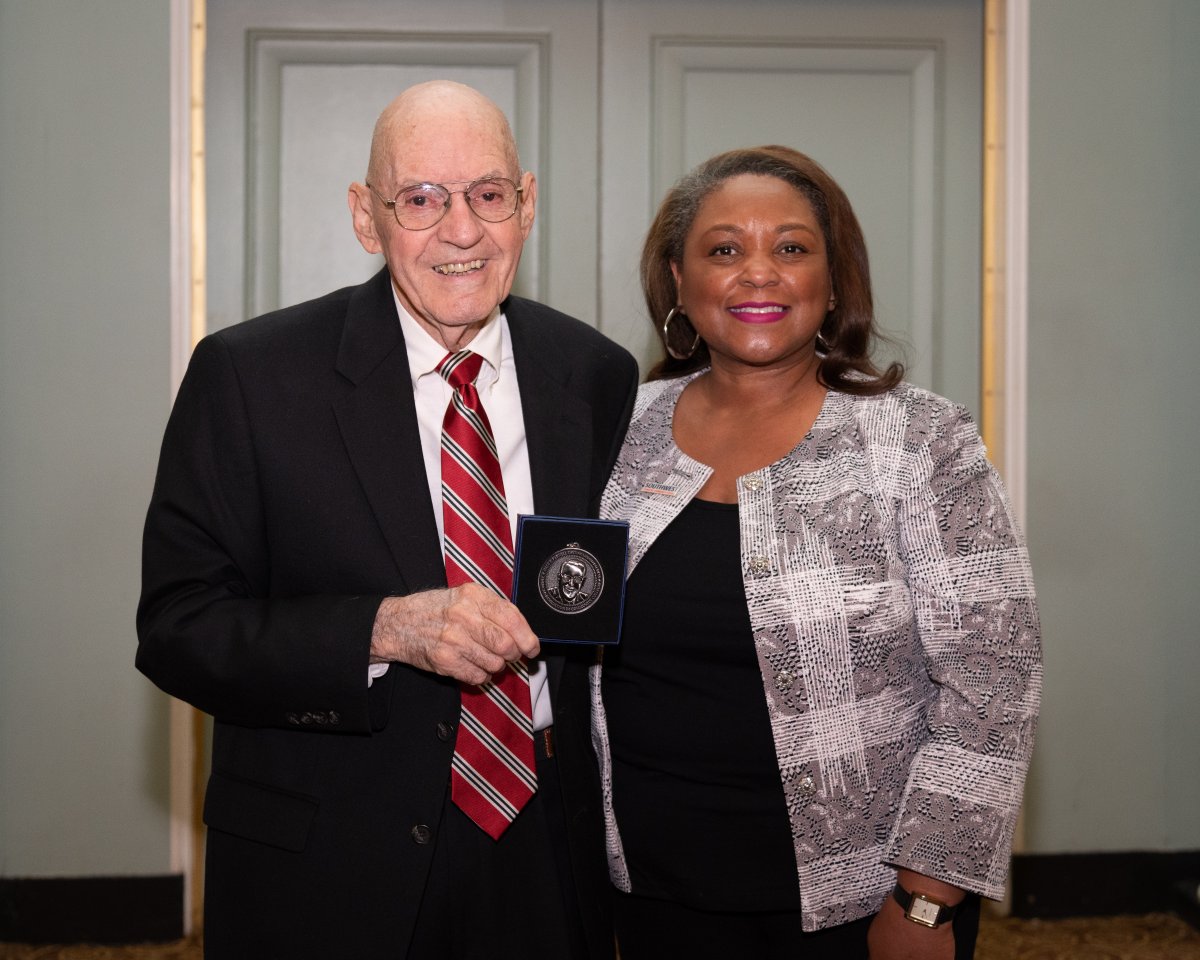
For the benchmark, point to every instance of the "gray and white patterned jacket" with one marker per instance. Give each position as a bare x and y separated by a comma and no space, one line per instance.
893,612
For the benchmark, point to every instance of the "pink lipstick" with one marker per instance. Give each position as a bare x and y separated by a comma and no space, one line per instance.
754,312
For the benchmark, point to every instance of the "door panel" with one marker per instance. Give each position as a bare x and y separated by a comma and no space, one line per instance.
293,90
611,101
316,98
887,96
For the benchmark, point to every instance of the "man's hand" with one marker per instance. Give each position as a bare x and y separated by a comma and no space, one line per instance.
892,936
467,632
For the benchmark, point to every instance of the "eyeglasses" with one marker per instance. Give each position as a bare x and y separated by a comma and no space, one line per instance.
422,205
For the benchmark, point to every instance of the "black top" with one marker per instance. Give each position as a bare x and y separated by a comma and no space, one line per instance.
696,786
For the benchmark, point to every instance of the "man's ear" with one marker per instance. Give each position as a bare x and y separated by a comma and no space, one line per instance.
362,214
528,206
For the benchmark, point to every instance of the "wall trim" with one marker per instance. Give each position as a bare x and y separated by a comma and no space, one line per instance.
187,322
1006,242
1106,884
1016,214
1005,260
181,220
92,909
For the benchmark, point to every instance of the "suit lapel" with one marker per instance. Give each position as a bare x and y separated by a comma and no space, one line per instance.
378,421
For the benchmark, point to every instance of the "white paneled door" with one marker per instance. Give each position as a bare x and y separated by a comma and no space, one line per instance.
611,100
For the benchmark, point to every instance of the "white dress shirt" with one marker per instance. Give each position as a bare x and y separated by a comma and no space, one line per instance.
501,398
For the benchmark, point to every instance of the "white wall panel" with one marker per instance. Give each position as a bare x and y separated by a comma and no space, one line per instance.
312,103
869,114
294,87
887,96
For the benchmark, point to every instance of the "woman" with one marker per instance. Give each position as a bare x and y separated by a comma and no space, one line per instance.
825,696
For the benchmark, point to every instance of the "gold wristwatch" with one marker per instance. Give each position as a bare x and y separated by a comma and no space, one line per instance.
922,909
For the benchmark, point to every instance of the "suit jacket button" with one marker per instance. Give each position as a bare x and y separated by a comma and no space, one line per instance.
335,717
444,731
293,719
421,834
321,718
306,719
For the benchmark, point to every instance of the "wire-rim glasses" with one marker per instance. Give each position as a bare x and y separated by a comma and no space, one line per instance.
420,206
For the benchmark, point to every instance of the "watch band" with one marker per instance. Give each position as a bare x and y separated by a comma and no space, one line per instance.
924,910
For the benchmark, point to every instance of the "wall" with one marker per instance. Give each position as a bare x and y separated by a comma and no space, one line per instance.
1114,452
84,395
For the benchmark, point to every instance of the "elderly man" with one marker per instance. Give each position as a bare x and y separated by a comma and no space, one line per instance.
397,770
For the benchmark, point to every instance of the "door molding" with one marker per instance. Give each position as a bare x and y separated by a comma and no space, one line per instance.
1005,310
272,53
811,60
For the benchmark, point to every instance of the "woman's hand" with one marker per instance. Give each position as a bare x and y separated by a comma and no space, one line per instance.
892,936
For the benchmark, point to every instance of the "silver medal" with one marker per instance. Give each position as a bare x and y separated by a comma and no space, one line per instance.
571,580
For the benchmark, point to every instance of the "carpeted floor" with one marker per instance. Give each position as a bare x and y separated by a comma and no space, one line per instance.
1157,936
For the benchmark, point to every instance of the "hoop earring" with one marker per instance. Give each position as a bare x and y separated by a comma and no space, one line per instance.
666,334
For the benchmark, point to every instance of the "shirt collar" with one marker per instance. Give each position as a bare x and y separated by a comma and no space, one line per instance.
425,353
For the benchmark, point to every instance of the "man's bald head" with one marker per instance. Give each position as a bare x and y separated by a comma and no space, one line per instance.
430,104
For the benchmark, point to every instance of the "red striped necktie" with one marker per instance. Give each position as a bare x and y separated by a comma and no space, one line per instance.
493,774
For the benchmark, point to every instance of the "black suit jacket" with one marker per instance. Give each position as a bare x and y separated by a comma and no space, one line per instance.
291,498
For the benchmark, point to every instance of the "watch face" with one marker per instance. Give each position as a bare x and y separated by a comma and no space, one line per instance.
924,911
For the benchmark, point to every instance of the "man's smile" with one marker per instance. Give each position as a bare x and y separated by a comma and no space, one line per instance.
449,269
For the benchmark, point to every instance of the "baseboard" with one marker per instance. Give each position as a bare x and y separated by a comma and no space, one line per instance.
1104,884
150,909
91,909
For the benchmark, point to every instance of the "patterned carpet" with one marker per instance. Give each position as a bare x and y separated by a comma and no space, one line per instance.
1156,936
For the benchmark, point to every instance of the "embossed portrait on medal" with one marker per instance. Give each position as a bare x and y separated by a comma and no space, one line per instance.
571,580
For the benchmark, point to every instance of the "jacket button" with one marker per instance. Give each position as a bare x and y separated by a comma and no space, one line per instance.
760,565
784,680
306,719
335,717
752,483
293,719
421,834
444,731
807,784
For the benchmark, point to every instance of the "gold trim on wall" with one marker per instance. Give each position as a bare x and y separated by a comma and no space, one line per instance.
992,359
199,309
198,327
1002,355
